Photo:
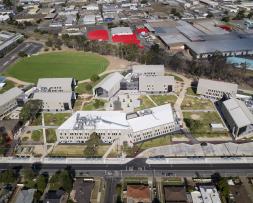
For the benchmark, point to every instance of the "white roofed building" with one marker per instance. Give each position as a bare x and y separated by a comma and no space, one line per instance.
216,89
117,125
57,94
121,31
156,84
56,84
209,194
109,86
238,117
148,70
55,101
8,100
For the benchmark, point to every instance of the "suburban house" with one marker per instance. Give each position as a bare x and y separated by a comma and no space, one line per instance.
138,193
24,196
55,196
175,194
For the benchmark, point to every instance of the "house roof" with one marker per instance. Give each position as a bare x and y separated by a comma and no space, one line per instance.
138,192
175,194
25,196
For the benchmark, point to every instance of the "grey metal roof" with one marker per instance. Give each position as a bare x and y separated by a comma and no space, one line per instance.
239,112
120,30
218,85
25,196
170,39
147,68
64,83
221,45
110,81
54,96
7,41
9,95
189,31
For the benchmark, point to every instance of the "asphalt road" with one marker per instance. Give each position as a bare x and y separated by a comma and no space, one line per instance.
28,47
138,164
110,192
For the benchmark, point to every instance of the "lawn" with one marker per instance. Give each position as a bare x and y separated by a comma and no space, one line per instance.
191,91
164,99
155,142
145,103
202,121
94,104
51,136
58,64
78,104
68,150
55,119
86,88
195,103
8,85
37,135
77,150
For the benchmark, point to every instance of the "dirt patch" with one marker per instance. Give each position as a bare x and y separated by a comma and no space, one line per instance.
117,63
195,117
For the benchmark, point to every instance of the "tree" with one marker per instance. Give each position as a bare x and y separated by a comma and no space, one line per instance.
41,183
94,78
22,54
49,43
30,110
20,9
62,180
250,14
7,3
7,177
92,145
209,15
240,15
225,19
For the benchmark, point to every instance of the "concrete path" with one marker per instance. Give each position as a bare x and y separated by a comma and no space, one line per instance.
248,187
17,81
151,100
44,134
110,149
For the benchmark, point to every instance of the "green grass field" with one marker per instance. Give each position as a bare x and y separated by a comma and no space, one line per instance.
58,64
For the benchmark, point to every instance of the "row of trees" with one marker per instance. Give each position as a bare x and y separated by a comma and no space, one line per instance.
215,67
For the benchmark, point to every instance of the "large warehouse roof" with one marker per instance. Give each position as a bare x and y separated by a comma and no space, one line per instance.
239,112
221,45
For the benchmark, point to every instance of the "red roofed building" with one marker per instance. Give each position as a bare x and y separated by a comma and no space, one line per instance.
138,193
